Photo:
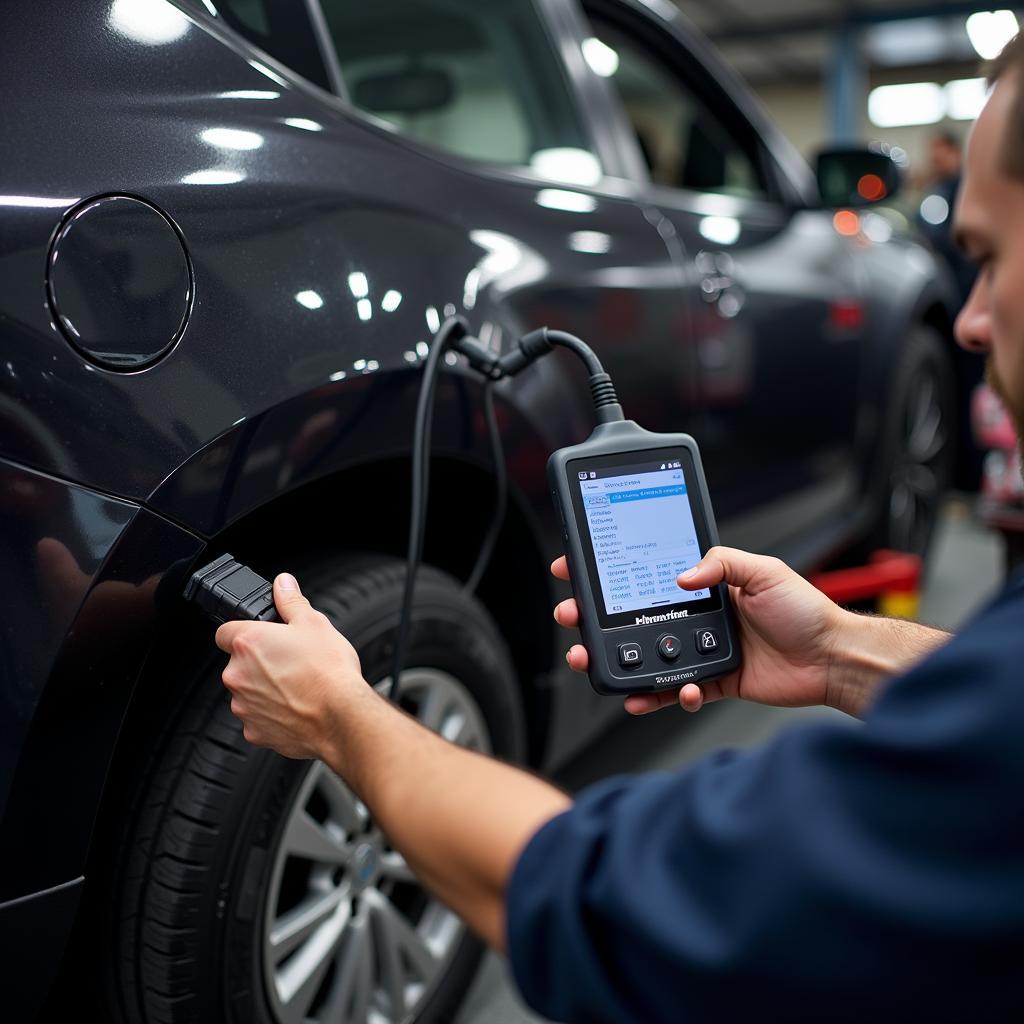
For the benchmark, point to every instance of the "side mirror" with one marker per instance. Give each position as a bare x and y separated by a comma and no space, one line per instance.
413,91
852,176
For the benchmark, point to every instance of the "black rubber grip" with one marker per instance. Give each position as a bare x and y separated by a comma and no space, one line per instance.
227,590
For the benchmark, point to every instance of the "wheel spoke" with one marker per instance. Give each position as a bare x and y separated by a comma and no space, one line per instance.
307,838
346,809
349,999
291,929
431,711
394,866
298,981
404,956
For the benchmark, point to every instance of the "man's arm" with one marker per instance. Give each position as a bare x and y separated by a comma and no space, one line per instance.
870,649
459,818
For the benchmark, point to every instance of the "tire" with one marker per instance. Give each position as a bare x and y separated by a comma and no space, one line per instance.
917,448
231,843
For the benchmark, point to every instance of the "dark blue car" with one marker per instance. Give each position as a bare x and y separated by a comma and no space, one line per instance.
228,231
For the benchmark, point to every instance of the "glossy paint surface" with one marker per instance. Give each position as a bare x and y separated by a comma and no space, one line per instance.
324,252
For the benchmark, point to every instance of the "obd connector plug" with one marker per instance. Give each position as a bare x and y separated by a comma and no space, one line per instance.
227,590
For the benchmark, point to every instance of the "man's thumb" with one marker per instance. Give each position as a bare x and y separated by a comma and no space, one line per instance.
287,597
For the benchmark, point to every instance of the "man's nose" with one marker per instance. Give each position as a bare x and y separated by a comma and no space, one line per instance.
973,327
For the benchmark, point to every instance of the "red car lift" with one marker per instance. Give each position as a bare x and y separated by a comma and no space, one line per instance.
891,578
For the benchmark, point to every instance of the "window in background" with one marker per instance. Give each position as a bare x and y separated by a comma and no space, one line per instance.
480,80
683,143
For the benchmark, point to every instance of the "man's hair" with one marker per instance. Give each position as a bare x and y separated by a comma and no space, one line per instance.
1011,61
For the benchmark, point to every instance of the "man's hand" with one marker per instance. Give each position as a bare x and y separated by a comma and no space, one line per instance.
459,818
799,648
288,680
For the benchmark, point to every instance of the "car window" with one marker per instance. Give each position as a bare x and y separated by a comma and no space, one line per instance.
481,80
280,27
684,144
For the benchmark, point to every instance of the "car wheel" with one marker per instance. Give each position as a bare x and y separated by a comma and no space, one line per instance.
257,888
917,447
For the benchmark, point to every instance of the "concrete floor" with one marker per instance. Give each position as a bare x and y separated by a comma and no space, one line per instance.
966,568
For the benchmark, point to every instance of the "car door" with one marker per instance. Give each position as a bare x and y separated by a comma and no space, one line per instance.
514,210
776,314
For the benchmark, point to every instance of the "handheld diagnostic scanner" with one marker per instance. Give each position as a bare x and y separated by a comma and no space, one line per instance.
635,514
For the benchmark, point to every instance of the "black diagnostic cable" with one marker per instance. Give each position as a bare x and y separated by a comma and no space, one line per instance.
226,590
500,492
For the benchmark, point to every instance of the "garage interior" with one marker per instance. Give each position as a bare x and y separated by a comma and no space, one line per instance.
816,66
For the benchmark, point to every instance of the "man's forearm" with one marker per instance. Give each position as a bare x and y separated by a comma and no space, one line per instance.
870,649
460,819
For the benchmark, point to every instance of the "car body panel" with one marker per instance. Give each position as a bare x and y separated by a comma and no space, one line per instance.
296,370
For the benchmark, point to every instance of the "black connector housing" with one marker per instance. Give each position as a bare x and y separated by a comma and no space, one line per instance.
226,591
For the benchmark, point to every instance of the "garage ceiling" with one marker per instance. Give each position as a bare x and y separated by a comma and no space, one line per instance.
776,41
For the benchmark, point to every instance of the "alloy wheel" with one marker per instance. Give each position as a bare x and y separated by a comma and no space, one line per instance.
349,934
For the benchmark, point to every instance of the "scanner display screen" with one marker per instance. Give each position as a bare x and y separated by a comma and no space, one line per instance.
642,531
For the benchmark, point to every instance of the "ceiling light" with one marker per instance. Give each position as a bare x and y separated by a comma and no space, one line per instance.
894,106
990,31
965,97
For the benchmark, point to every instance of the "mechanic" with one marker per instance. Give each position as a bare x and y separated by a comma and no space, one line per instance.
858,873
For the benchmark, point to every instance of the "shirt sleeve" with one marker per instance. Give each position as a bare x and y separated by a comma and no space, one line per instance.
836,871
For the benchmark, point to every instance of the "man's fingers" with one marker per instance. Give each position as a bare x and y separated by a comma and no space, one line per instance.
288,598
567,613
645,703
226,633
577,658
560,568
751,573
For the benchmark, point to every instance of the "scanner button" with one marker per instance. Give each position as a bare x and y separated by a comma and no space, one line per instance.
630,655
669,647
707,641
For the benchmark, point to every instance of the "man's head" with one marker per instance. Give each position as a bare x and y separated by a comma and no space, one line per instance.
944,155
989,224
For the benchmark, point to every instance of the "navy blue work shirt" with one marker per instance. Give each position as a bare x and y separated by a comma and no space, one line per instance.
835,874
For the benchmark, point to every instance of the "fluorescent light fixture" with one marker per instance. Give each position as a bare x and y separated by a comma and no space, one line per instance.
990,31
213,176
603,60
567,163
422,349
364,308
309,299
148,21
563,199
232,138
720,230
358,285
910,41
965,98
305,123
934,209
391,300
337,375
590,241
433,319
895,106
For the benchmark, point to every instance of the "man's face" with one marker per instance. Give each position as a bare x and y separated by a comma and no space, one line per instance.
989,224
